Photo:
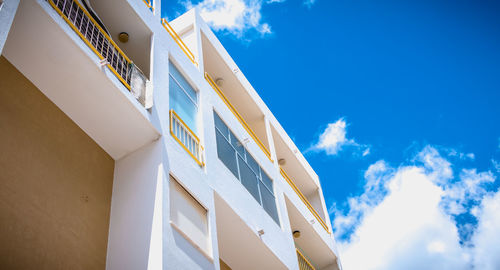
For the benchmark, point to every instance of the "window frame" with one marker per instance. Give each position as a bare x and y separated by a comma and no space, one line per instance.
258,174
197,116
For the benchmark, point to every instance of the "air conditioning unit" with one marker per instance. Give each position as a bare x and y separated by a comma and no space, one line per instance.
141,88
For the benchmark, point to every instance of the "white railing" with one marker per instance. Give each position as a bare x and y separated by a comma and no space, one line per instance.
95,37
186,138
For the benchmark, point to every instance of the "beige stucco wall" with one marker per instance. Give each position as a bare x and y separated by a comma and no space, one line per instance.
55,183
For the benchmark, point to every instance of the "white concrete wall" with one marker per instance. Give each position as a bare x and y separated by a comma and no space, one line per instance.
138,181
177,252
140,234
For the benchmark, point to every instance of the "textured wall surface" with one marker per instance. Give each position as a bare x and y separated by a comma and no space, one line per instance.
55,183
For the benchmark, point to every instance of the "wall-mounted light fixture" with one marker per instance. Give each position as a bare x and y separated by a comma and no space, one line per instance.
123,37
281,161
219,81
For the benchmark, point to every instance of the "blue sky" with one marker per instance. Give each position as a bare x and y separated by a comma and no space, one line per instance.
389,92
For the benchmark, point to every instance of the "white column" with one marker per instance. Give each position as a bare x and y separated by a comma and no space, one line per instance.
135,229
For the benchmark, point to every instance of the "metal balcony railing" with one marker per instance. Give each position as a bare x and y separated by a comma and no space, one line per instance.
179,41
304,263
186,138
238,116
304,200
149,4
96,38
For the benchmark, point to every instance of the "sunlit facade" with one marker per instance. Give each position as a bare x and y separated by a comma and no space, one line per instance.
130,142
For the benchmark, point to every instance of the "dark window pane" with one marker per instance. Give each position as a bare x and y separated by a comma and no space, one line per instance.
249,179
253,164
226,154
221,125
267,181
269,203
237,144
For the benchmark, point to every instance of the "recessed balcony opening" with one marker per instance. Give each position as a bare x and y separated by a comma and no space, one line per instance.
296,172
182,31
240,246
56,183
312,252
225,80
120,19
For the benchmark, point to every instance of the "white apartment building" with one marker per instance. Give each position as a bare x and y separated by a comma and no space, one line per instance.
130,142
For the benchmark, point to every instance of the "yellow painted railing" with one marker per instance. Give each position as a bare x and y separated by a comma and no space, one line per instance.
186,138
95,37
179,41
149,3
238,116
304,263
304,199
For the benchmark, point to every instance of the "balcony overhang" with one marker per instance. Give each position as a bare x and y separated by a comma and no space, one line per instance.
239,245
318,251
53,57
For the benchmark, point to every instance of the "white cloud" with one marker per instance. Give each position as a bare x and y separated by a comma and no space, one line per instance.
333,140
405,218
486,240
460,155
469,189
234,16
496,165
309,3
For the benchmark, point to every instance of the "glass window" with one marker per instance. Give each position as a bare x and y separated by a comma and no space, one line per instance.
267,181
226,153
183,83
221,126
245,168
237,144
183,98
249,179
268,202
253,164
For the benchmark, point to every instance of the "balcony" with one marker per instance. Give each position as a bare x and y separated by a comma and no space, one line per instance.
179,41
186,138
63,51
304,263
238,116
303,181
313,252
236,92
304,200
241,246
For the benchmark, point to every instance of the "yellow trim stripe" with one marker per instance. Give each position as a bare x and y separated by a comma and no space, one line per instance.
311,267
178,40
304,199
149,4
238,116
88,42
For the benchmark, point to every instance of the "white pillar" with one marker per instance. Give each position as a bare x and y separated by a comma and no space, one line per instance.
135,229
